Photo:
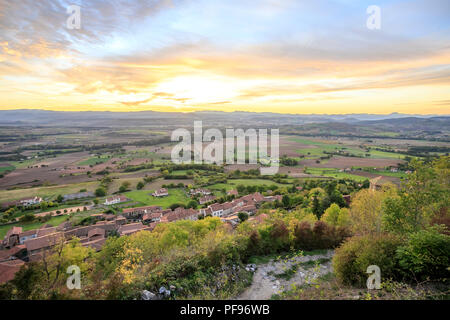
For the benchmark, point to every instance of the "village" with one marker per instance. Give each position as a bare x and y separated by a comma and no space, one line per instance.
20,247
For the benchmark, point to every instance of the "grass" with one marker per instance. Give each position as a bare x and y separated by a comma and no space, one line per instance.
7,168
55,221
46,192
145,197
319,148
94,160
334,173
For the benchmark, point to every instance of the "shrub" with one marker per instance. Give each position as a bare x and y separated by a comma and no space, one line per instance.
352,258
320,236
100,192
426,254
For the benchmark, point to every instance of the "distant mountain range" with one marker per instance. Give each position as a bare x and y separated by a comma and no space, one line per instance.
107,118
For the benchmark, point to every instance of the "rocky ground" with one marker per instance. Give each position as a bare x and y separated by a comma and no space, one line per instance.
277,276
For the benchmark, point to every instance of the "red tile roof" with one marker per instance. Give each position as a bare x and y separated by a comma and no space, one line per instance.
8,269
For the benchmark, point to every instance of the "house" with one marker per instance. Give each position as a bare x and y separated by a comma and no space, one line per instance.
127,229
232,193
204,192
137,213
163,192
12,237
249,209
299,188
15,252
120,220
216,209
394,169
152,217
30,234
227,208
274,198
8,269
30,201
207,199
96,233
39,244
205,211
115,200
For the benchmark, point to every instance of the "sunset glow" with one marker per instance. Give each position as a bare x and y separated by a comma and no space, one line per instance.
282,56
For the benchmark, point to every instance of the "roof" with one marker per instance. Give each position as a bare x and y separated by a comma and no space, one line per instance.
7,254
147,208
96,232
216,207
233,192
119,197
8,269
130,228
12,231
43,242
45,231
95,244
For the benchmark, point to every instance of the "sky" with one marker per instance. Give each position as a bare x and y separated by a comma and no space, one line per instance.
283,56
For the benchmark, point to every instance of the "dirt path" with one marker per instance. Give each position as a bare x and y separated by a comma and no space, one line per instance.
267,280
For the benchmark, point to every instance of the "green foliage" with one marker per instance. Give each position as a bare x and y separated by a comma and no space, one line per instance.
423,195
352,258
243,216
426,254
100,192
140,185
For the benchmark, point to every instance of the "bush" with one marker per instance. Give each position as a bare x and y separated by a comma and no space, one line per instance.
426,254
352,258
320,236
100,192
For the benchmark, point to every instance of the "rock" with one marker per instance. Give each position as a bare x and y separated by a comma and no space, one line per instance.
162,290
172,288
147,295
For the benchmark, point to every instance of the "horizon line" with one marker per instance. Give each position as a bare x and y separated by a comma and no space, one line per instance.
221,111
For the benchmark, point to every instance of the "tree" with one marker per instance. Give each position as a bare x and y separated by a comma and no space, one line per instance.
44,205
60,198
124,187
27,217
192,204
331,215
100,192
243,216
286,201
140,185
424,194
366,210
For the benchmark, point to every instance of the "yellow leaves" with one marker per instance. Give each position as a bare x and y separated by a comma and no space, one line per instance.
131,259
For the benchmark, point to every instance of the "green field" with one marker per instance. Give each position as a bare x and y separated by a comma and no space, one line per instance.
7,168
386,173
145,197
33,225
46,192
319,148
334,173
94,160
